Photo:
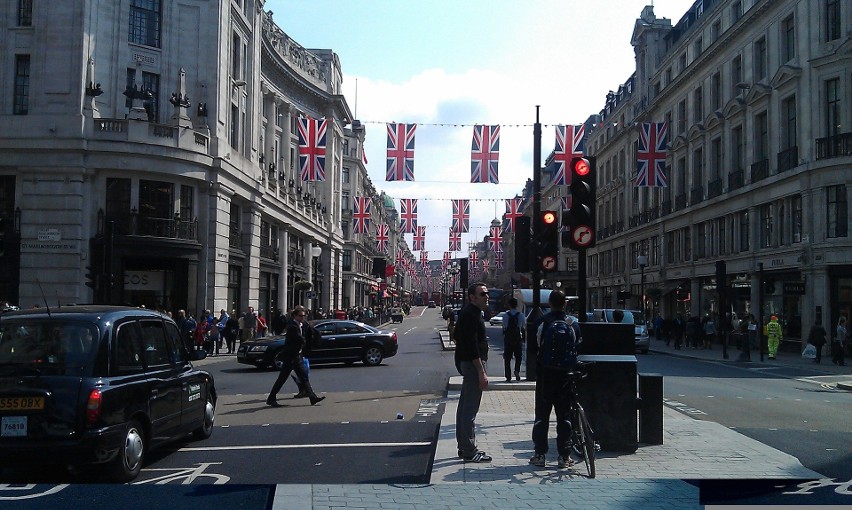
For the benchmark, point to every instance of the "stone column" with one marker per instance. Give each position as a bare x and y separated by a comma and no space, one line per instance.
283,286
287,111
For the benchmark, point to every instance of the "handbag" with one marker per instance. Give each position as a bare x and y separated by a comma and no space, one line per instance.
809,352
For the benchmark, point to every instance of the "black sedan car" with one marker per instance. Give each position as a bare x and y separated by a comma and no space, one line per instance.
97,385
340,341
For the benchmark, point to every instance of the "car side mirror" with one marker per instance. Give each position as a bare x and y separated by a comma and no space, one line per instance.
198,354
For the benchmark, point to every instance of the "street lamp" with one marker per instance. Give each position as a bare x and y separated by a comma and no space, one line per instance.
643,261
453,270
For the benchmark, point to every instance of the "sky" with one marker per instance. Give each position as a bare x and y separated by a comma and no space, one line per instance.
466,62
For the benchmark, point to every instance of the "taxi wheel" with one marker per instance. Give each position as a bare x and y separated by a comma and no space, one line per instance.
127,464
206,428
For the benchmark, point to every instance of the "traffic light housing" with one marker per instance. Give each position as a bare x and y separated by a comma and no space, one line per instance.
548,241
523,232
91,278
580,218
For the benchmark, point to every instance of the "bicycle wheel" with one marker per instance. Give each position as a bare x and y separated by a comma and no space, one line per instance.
584,440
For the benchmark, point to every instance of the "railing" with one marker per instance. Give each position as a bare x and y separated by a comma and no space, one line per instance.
788,159
759,170
714,188
633,221
680,202
171,228
666,207
736,180
696,195
269,252
834,146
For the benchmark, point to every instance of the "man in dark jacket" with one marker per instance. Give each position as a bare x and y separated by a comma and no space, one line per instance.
470,356
295,345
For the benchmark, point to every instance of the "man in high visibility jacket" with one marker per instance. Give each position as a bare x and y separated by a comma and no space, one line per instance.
773,333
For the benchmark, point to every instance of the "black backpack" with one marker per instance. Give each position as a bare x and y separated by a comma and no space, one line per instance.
558,349
512,335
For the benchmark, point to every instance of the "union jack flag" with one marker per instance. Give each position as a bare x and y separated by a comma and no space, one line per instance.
312,148
361,215
400,164
484,153
498,260
424,260
455,241
495,242
420,238
513,210
382,237
446,261
569,144
651,156
473,256
400,256
486,265
461,216
408,215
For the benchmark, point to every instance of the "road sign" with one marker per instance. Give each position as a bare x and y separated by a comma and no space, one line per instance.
310,295
548,263
583,236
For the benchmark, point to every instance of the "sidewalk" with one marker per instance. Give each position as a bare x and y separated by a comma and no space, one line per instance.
652,477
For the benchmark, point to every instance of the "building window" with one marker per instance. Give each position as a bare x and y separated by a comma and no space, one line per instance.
22,85
698,105
736,11
682,62
697,47
235,276
347,260
738,150
796,218
186,196
788,39
788,135
236,60
761,137
118,203
744,237
697,169
25,13
150,83
832,107
681,117
687,244
716,158
736,75
145,22
838,210
766,226
345,175
760,59
156,199
716,91
716,30
701,241
235,127
668,76
720,234
681,176
832,20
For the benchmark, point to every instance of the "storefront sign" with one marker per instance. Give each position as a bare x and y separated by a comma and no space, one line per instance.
794,288
143,280
50,247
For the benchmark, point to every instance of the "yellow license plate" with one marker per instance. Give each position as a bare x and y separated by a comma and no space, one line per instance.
21,403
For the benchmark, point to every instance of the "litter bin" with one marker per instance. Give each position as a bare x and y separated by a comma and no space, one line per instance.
609,396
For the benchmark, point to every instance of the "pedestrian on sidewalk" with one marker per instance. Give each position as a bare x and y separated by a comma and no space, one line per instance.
677,329
471,356
558,336
817,338
514,329
839,343
773,333
296,345
709,331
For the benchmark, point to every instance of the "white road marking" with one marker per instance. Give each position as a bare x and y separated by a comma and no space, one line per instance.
297,446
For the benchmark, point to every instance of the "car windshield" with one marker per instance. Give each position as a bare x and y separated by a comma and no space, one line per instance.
49,347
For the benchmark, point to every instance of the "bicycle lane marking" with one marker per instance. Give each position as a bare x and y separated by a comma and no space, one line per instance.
11,487
185,475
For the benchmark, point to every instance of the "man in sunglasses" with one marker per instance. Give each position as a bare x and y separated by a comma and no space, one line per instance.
295,345
470,356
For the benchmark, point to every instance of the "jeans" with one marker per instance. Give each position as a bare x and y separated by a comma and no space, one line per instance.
469,400
550,393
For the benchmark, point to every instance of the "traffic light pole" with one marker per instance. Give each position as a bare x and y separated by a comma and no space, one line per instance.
535,270
582,285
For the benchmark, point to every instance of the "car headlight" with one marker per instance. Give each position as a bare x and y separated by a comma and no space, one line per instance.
257,348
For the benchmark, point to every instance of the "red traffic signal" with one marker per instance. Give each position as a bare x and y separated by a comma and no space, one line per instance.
548,217
581,166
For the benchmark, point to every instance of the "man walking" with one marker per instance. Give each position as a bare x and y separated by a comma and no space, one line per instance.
470,356
558,336
295,345
514,326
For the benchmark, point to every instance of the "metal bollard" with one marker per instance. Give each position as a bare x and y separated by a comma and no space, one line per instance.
651,408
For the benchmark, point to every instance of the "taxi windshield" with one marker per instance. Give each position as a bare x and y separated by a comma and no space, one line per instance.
50,346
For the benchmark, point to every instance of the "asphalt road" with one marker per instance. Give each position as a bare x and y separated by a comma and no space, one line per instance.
790,409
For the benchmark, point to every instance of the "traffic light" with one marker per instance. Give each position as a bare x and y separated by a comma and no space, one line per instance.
522,244
91,278
580,218
548,241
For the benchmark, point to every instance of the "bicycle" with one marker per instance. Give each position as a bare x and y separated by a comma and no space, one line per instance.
582,436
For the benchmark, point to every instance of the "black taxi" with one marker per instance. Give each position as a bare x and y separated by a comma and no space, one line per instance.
97,385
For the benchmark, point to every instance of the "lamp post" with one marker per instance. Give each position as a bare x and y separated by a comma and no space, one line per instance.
643,261
453,270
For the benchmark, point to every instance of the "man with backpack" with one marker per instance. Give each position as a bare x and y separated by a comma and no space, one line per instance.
558,337
514,326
